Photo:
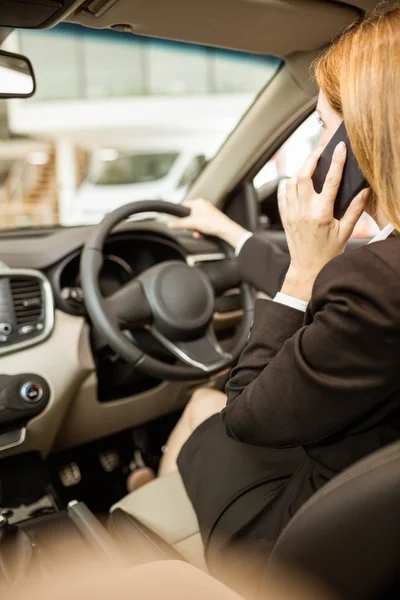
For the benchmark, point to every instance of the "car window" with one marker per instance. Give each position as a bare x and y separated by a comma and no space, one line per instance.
115,109
285,163
110,168
192,171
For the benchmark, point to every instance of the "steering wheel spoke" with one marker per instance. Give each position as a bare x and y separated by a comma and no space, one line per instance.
223,274
204,352
129,305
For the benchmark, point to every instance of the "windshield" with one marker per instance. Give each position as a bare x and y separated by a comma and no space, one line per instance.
112,169
113,109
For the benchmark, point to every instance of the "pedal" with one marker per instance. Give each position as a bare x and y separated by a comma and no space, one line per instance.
136,463
138,459
109,460
70,475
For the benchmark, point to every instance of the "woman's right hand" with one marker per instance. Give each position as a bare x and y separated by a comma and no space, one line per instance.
205,218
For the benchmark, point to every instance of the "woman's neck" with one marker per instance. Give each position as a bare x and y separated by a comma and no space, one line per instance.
379,218
381,221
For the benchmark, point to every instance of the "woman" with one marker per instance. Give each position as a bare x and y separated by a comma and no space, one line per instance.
317,386
261,263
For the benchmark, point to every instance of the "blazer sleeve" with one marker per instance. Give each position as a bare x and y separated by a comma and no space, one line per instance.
297,384
263,264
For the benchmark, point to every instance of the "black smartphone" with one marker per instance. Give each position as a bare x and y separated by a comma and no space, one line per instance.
353,181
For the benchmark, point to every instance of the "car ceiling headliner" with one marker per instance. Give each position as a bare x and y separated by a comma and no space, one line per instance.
276,27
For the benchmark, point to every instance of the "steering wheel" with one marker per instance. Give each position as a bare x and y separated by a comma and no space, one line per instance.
173,300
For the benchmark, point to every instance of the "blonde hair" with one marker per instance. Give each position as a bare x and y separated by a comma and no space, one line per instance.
360,76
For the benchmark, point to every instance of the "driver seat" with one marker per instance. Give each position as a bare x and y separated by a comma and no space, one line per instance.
347,535
163,508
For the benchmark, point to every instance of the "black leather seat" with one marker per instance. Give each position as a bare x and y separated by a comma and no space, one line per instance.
348,533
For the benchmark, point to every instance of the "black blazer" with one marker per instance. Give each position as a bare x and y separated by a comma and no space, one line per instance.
328,379
263,264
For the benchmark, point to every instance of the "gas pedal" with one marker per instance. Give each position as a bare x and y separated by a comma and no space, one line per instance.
138,459
136,463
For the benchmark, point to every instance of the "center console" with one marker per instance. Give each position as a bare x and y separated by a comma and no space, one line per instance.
22,397
44,543
37,531
26,319
35,526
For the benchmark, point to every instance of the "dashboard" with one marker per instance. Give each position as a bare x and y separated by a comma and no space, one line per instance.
55,255
125,257
91,392
131,248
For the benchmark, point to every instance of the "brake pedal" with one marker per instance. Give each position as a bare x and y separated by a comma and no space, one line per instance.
70,475
109,460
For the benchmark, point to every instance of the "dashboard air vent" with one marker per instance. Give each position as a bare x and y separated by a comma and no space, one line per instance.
27,299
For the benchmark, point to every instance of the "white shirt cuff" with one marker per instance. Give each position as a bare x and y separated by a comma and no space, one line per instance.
242,242
290,301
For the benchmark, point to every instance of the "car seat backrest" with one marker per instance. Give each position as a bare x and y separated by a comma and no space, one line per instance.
348,534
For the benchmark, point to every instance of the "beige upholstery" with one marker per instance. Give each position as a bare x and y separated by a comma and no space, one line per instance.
164,507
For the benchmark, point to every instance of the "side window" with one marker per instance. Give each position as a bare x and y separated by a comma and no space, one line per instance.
292,154
192,170
284,164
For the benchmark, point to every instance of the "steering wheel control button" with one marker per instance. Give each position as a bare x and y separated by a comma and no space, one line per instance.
5,328
31,392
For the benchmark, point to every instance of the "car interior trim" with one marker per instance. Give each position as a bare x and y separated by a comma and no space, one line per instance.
48,309
191,23
193,259
188,359
11,439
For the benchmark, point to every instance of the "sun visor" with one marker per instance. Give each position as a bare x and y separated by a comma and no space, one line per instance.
32,13
277,27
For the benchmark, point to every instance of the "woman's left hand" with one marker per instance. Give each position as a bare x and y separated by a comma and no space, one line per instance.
313,235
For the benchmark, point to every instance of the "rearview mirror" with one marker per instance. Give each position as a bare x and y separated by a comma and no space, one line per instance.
16,76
